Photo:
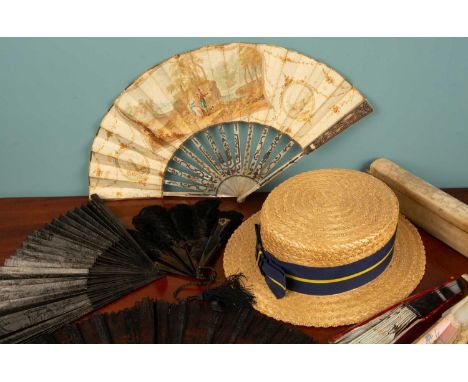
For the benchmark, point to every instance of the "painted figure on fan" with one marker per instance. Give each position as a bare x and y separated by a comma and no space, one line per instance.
196,110
201,98
199,108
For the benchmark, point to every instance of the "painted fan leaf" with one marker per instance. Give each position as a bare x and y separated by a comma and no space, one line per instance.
219,121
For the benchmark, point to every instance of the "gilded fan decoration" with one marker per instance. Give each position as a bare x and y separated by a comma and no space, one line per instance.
219,121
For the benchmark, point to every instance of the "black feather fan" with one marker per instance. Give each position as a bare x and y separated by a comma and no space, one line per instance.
184,239
86,259
200,321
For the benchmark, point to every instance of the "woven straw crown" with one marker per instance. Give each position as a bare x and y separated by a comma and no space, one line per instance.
328,217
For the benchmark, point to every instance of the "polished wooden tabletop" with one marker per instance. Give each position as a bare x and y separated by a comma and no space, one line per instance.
20,216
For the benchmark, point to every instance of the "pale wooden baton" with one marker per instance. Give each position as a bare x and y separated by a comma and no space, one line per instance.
440,214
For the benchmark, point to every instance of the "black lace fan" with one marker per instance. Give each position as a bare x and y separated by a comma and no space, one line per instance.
75,264
221,315
184,239
86,259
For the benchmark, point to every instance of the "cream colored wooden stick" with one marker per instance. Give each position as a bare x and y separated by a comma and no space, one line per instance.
440,214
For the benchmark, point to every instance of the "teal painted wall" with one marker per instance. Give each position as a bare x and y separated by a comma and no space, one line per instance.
53,93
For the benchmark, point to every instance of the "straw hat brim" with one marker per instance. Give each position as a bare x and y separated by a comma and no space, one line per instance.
398,280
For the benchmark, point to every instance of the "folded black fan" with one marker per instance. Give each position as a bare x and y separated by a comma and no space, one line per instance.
212,319
86,259
77,263
184,239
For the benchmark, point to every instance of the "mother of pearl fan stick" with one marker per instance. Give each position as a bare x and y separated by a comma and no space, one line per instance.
220,121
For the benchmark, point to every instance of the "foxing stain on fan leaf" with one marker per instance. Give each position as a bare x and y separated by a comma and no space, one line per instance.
220,120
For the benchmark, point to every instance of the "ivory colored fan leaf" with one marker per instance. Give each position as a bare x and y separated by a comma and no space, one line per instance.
221,120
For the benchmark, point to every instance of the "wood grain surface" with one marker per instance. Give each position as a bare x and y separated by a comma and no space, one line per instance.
20,216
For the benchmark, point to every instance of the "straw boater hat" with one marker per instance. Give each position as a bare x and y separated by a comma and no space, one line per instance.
328,248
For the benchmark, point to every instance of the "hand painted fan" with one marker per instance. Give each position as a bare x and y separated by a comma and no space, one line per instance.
86,259
154,321
219,121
